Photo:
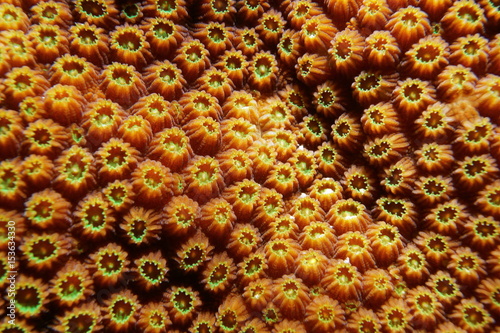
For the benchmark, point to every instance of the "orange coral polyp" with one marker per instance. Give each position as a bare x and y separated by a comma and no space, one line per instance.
90,42
348,215
122,84
172,148
152,183
203,179
165,78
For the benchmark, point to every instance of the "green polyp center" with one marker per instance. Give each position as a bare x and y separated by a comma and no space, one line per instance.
468,13
151,271
73,68
304,165
376,116
290,289
93,8
156,319
71,287
228,320
447,215
117,157
380,149
306,208
472,47
316,232
248,194
474,168
174,142
413,93
356,245
343,49
272,24
395,177
10,16
43,250
348,211
122,310
202,103
222,215
478,133
183,301
271,315
28,299
466,263
396,319
131,10
409,19
95,217
263,67
253,266
117,195
234,63
328,155
434,187
193,257
493,197
49,37
425,303
434,120
219,274
153,178
184,216
311,28
9,181
286,44
205,174
194,53
129,40
394,208
122,76
367,326
220,6
437,244
42,137
280,249
342,129
314,127
87,37
247,238
415,261
305,67
326,97
43,210
163,30
110,263
369,82
284,175
474,316
138,229
428,53
216,80
445,288
387,236
217,34
344,276
81,323
23,82
168,75
249,39
167,6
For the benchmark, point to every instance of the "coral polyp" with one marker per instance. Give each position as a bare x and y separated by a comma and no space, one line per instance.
244,166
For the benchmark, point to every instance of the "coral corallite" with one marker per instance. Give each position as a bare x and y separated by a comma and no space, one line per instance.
244,166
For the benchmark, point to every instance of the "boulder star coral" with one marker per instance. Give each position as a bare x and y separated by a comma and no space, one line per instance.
244,166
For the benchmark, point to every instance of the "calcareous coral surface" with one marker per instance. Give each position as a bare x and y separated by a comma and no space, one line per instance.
250,166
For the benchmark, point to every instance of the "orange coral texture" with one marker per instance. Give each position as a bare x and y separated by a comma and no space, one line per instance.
251,166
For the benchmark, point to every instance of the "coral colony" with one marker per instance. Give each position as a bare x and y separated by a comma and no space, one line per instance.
250,166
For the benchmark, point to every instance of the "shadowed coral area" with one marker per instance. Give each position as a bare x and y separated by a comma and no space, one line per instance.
250,166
